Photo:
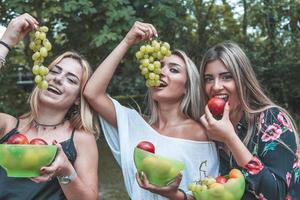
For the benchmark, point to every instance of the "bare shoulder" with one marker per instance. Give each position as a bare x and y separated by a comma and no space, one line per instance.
84,139
196,130
7,122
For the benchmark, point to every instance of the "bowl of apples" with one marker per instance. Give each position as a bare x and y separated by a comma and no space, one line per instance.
159,170
23,158
228,187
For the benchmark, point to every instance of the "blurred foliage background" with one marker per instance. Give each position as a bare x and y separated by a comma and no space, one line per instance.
268,31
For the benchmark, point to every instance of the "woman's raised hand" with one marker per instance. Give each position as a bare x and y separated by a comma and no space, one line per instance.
18,28
139,32
220,130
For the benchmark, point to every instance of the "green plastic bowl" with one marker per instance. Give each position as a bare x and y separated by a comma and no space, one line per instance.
233,189
159,170
25,160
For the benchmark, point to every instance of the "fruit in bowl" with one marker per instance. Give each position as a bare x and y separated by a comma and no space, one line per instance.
21,159
228,187
159,170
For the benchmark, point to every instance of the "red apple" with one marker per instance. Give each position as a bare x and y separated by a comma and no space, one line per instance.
147,146
221,179
216,106
38,141
18,139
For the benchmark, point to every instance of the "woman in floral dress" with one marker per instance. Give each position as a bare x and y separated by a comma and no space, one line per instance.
254,134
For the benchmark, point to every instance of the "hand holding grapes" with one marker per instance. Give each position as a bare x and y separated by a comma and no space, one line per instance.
140,32
18,28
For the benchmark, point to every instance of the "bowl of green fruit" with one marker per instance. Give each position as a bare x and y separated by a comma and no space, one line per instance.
227,187
21,158
159,170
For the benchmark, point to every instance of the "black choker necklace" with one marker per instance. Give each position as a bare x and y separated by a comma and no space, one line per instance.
45,126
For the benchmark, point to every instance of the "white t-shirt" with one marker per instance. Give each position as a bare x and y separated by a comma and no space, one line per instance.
132,129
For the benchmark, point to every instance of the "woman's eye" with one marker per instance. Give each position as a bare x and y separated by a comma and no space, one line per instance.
207,79
72,81
53,71
227,77
173,70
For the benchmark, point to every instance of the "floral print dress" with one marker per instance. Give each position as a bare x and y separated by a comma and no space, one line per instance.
274,171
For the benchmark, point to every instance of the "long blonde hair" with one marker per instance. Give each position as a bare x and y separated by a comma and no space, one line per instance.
252,98
84,118
189,105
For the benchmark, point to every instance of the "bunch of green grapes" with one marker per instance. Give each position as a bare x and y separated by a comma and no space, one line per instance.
40,45
149,57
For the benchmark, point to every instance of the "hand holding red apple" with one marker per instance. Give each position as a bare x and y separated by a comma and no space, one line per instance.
216,106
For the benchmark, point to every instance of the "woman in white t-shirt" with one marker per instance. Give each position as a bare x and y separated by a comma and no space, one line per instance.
173,125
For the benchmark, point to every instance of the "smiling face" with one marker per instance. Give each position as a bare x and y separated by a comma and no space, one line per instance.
173,80
64,84
219,82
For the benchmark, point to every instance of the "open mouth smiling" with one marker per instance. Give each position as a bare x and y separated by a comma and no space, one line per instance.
54,90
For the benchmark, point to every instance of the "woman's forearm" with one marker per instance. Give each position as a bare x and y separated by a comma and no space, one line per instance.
99,81
78,190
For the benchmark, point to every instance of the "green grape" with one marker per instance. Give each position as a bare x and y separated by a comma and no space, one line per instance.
157,71
144,70
165,44
43,84
37,34
43,71
151,76
143,49
145,62
163,50
168,53
38,78
44,52
42,36
44,29
156,64
48,45
32,46
146,56
37,41
35,69
149,57
151,67
139,55
157,82
40,45
159,56
36,56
